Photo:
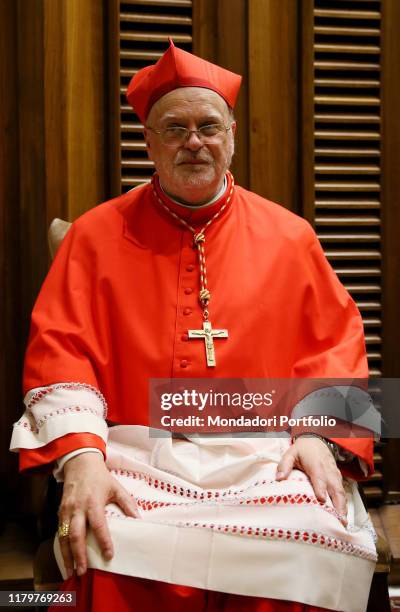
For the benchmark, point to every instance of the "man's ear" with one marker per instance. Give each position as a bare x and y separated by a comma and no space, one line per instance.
233,128
147,141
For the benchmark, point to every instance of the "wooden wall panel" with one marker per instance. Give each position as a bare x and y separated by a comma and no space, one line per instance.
273,100
85,103
112,98
9,256
61,102
74,106
391,221
391,185
32,230
54,90
206,29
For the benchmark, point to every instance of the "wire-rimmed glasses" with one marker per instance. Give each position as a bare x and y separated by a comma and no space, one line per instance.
178,135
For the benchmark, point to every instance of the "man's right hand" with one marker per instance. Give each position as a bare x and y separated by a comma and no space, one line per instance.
88,488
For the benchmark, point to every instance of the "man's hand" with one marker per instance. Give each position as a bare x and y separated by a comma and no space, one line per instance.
88,488
312,456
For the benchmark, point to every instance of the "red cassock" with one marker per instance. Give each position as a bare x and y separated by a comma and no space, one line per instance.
116,306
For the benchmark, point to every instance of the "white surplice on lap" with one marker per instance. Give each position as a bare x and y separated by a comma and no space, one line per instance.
212,515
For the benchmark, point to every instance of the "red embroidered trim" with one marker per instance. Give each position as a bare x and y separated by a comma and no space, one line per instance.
165,485
270,500
26,425
296,535
274,533
41,393
50,415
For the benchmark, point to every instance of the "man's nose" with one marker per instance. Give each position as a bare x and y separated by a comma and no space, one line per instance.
194,141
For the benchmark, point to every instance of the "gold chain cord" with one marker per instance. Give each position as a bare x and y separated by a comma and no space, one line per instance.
199,241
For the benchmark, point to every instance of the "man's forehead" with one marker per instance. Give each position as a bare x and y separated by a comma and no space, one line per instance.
189,99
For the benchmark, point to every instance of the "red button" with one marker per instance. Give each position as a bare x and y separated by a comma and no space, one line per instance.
187,311
190,268
184,337
188,290
184,363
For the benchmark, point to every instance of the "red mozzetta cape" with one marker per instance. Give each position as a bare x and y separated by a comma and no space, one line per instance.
122,292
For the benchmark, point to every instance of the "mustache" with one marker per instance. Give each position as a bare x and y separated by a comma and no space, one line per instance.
185,156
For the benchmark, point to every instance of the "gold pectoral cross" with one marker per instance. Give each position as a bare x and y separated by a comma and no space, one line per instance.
208,334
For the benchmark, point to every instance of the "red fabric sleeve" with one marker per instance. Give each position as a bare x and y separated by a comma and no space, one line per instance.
330,341
63,343
45,456
64,340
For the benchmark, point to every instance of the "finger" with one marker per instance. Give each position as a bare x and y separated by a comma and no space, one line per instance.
285,466
318,483
339,500
98,524
66,554
127,504
77,542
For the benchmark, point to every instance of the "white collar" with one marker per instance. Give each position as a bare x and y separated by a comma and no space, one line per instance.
194,207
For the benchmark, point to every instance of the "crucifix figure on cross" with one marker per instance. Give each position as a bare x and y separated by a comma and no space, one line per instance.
208,334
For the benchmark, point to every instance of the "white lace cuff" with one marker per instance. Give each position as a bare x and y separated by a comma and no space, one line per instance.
59,409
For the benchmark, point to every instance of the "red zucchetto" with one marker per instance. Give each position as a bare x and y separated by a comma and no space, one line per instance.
177,68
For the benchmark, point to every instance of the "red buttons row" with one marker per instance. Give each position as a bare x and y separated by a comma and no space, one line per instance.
187,311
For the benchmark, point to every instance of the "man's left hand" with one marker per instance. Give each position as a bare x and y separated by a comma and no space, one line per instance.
312,456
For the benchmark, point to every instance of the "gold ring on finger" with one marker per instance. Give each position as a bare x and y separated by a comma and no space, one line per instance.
63,530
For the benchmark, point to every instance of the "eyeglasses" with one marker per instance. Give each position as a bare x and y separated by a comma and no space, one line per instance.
176,135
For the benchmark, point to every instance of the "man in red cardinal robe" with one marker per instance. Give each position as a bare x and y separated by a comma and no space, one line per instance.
136,291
